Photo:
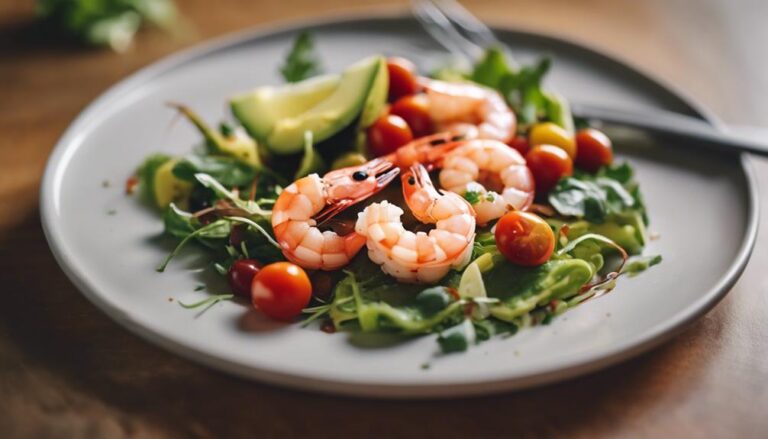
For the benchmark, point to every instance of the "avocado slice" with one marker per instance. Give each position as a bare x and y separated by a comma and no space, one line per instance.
167,188
259,110
279,116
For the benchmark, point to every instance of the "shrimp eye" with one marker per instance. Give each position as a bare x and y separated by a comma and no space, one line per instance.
360,175
411,180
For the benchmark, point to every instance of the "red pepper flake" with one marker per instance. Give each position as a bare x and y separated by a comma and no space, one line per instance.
130,184
453,292
553,305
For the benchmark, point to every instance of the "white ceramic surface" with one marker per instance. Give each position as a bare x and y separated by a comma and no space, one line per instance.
703,207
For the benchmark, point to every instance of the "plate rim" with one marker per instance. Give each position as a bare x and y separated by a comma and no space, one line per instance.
58,159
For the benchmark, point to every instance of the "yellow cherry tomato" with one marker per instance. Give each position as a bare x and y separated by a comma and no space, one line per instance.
550,133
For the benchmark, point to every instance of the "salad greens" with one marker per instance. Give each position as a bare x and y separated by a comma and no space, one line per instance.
111,23
301,62
221,197
520,86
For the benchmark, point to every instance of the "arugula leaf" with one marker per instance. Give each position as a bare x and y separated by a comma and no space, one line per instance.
178,223
521,87
492,68
524,93
301,62
216,229
210,301
226,170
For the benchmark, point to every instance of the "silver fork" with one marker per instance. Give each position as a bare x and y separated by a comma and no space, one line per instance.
465,36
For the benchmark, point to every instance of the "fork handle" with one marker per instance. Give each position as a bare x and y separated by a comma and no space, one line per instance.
673,126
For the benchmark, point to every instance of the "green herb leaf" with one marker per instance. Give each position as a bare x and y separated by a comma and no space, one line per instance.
581,199
492,68
207,303
214,229
301,62
178,223
472,196
594,198
226,170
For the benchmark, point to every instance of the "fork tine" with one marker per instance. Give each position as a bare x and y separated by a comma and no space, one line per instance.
475,29
443,31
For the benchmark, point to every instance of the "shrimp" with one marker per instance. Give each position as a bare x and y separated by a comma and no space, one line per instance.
311,200
483,167
419,257
469,109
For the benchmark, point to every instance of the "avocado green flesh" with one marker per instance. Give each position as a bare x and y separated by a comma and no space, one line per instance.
332,114
279,116
377,97
262,108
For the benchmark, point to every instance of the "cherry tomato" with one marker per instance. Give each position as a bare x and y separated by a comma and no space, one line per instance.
520,143
550,133
281,290
414,110
388,133
524,238
594,149
240,276
402,78
548,164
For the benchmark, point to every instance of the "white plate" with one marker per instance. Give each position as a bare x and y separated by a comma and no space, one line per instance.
704,207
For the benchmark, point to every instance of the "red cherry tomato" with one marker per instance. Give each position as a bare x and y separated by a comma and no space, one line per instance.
281,290
414,110
548,164
240,276
524,238
402,78
594,149
520,143
388,133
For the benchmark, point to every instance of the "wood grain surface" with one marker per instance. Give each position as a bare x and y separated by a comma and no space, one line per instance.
66,370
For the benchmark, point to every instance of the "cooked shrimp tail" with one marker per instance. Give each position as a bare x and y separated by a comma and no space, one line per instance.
418,256
311,200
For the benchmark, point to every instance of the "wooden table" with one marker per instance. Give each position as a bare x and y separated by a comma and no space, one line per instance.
68,370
